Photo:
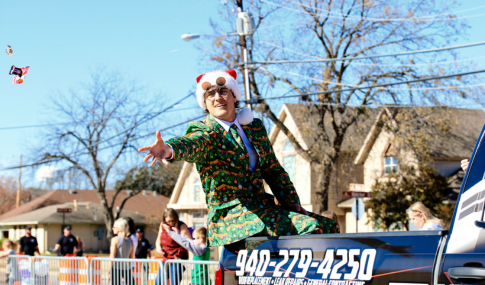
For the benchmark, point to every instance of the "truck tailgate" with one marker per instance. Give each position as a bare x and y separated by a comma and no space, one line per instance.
363,258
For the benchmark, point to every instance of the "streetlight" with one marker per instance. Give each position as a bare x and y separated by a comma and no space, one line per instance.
189,37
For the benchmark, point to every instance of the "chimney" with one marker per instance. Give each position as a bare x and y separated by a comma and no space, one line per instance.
75,204
72,191
144,192
154,193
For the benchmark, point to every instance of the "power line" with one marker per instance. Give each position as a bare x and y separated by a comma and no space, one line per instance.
67,123
422,19
394,19
132,139
113,136
254,100
365,57
376,64
397,88
141,122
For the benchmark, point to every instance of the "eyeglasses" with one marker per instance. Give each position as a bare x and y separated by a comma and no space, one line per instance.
223,91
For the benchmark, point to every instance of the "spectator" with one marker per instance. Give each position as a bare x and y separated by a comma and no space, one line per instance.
198,246
66,243
8,249
422,218
171,249
121,247
79,248
134,238
143,248
142,252
28,243
331,215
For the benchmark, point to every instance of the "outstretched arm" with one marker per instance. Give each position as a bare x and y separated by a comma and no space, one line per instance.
185,242
192,147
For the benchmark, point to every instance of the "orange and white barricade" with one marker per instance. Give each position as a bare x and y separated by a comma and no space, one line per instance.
123,271
94,270
61,270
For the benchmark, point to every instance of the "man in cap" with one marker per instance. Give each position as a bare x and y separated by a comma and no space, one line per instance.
66,243
28,243
233,156
143,248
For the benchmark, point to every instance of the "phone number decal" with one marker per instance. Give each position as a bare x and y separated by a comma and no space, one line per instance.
298,262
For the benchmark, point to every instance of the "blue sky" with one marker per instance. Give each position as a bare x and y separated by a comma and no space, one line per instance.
63,41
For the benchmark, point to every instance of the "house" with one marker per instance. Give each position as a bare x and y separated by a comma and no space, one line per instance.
361,161
86,219
380,155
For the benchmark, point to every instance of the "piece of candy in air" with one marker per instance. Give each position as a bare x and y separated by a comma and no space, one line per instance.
19,73
9,50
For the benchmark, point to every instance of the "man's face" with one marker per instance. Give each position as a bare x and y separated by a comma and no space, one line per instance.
221,103
67,232
28,232
139,235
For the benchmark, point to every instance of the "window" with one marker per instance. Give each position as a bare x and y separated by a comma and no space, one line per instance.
198,225
390,164
289,160
198,215
196,190
288,146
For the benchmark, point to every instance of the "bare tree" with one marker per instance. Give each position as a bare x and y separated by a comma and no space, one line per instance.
106,116
329,30
8,194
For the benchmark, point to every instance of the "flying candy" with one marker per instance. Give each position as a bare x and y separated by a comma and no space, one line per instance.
9,50
19,73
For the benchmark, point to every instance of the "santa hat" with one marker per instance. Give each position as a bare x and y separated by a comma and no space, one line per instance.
220,78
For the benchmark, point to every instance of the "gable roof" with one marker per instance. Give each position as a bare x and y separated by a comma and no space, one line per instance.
458,143
85,213
143,204
305,117
179,185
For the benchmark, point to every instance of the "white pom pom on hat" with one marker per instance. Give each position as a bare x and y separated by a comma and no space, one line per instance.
245,116
211,77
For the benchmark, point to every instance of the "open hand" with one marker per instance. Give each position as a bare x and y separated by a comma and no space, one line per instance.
158,150
464,164
166,227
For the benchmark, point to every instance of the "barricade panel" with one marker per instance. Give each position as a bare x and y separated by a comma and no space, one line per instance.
49,270
185,272
104,271
58,270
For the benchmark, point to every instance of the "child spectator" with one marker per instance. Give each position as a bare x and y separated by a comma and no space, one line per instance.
8,249
198,246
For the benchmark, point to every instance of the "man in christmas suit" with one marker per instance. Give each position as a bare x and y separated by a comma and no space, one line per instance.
233,156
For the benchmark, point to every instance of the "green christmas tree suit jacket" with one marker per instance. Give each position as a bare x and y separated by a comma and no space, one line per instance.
235,197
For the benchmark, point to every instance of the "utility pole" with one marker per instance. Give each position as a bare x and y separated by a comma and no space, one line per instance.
18,183
244,54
